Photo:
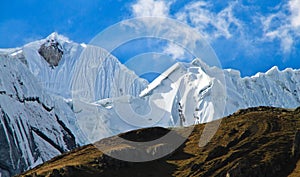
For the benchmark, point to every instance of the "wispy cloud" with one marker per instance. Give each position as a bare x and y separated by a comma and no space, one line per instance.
283,26
161,8
175,51
294,6
212,24
247,31
150,8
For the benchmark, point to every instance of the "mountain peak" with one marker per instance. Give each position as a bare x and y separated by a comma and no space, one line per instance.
198,62
58,37
274,69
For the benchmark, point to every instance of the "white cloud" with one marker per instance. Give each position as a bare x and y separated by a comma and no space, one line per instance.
212,24
294,6
175,31
200,15
175,51
150,8
283,26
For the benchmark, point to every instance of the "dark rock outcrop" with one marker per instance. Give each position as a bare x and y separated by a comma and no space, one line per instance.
52,52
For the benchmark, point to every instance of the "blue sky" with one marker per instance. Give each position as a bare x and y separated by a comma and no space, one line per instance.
248,35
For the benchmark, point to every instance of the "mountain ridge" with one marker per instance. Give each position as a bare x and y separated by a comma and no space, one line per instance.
67,64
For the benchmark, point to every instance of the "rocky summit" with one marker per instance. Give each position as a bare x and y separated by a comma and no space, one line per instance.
51,51
261,141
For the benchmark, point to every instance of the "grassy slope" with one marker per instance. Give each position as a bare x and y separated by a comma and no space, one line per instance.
252,142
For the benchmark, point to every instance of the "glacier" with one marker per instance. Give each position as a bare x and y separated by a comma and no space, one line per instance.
34,125
225,90
37,120
195,90
112,77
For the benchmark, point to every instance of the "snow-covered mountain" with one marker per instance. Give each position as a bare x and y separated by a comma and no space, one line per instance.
34,126
224,91
56,60
189,93
105,98
36,84
173,99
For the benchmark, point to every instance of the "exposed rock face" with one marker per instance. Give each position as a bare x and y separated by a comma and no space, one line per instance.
52,52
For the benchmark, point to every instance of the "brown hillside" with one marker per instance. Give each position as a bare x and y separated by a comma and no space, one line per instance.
260,141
